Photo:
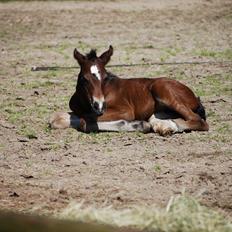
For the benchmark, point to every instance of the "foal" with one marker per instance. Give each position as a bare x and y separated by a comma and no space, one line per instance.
105,102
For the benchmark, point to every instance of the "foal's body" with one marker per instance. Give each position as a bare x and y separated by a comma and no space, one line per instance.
167,105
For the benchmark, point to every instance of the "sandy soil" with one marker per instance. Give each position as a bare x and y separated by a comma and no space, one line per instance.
44,170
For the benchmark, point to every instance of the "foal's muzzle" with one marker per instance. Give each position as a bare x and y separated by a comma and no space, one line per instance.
99,107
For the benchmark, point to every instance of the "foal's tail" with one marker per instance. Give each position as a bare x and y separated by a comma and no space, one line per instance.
201,110
63,120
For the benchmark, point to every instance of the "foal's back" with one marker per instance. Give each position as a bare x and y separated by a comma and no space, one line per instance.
146,96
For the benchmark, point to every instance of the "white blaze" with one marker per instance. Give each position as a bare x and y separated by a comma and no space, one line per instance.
94,70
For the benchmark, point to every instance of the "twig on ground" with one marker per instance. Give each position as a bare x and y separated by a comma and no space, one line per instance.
47,68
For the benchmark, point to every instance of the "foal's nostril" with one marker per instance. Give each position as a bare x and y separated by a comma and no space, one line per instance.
96,105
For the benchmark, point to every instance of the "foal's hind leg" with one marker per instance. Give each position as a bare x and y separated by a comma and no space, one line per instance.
192,120
180,99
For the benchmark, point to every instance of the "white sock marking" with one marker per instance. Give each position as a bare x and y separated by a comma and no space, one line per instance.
163,123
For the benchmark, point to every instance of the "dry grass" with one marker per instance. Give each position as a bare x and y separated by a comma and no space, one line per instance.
182,214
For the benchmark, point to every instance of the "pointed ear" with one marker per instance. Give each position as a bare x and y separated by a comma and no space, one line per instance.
105,57
79,57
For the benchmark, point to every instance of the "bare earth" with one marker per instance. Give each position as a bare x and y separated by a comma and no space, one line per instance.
44,170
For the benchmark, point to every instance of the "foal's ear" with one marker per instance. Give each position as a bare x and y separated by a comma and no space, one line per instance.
79,57
105,57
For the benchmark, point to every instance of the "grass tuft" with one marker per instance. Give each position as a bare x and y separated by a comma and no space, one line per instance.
181,214
226,54
28,132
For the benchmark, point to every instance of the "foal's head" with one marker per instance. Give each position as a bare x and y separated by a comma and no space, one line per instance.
91,77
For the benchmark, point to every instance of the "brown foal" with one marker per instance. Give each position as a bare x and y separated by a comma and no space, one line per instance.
105,102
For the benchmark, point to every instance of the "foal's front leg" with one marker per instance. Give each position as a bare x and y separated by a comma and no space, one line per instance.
114,120
62,120
123,125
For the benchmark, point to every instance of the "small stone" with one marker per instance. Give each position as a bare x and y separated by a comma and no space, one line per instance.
13,194
27,176
36,93
23,139
63,191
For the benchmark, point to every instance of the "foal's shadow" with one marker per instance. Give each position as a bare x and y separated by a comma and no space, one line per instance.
167,114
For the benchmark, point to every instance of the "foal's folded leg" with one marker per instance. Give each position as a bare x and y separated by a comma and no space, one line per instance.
123,125
62,120
115,126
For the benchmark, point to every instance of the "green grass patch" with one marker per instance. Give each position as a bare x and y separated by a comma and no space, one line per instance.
83,46
2,146
224,128
96,138
54,146
228,16
214,85
28,132
43,83
13,115
148,46
182,214
169,52
157,168
225,54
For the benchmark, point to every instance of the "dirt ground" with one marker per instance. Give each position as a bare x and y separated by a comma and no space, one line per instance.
43,170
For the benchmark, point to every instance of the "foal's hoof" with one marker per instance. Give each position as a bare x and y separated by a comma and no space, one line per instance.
165,132
165,127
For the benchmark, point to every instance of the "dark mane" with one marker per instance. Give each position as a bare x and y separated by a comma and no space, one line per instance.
92,55
110,77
